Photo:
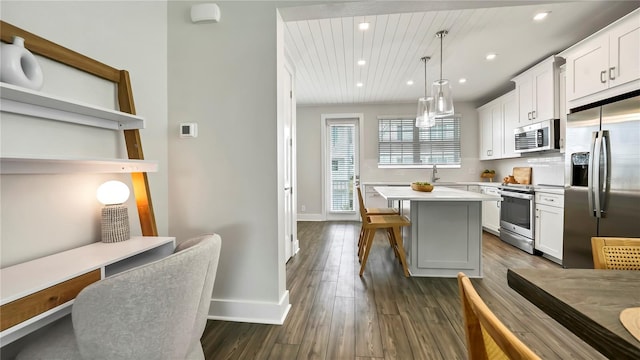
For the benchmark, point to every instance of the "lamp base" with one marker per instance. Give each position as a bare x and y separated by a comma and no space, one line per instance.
115,224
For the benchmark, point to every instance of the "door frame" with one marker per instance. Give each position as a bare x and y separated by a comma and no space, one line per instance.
292,246
324,119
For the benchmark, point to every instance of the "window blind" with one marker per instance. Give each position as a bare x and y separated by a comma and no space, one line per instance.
342,156
400,143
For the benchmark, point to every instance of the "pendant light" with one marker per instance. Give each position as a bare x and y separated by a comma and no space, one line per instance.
424,117
442,97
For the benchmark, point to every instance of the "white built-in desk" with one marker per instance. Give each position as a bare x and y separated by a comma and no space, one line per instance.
38,292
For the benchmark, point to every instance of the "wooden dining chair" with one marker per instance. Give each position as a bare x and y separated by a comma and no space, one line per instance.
393,225
375,211
487,337
365,211
614,253
388,220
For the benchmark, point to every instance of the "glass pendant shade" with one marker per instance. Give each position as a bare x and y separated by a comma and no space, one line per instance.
425,115
442,96
443,100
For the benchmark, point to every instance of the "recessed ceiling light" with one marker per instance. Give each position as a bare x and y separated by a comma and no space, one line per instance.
541,15
359,84
410,82
362,62
491,56
363,26
462,80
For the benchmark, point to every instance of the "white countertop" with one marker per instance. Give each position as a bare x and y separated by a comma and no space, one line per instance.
549,190
440,183
439,193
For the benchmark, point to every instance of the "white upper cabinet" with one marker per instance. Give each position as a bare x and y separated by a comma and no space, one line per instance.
563,107
606,64
497,120
624,51
489,139
537,91
510,121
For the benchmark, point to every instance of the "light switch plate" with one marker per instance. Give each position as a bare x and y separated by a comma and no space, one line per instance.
188,130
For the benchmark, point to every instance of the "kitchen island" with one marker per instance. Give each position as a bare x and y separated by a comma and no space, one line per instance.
445,236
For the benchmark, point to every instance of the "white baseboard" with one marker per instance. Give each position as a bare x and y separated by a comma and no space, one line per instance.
250,311
296,246
310,217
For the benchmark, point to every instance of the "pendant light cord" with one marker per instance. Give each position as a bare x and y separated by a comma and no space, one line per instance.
425,59
441,55
441,34
425,77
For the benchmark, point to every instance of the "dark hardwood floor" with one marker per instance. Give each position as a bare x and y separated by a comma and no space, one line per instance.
336,314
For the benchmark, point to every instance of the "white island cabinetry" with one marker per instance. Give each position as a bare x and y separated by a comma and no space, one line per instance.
445,235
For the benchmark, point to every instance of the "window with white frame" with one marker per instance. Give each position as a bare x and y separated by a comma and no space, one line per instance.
402,145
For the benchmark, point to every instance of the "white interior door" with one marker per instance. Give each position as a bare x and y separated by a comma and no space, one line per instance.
341,169
289,196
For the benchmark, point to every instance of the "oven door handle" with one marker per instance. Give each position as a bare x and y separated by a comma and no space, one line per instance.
517,195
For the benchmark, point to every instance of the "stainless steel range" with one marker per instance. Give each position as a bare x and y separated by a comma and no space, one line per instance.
517,213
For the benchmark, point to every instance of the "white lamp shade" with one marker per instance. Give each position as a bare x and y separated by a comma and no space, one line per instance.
112,192
207,12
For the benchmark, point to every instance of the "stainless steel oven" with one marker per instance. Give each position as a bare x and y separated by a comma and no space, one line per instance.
517,213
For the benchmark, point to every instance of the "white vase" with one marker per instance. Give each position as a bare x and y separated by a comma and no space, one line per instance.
19,67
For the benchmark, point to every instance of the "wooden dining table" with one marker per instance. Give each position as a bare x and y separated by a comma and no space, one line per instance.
587,302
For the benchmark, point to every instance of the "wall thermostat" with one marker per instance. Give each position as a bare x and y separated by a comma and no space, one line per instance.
188,130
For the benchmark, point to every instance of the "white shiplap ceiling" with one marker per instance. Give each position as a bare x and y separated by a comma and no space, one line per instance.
325,51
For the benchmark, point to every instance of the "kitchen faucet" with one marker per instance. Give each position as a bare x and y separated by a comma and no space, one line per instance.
433,174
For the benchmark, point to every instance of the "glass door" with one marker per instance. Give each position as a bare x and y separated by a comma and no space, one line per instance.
341,169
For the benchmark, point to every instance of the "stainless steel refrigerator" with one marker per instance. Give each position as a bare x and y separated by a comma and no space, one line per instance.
602,175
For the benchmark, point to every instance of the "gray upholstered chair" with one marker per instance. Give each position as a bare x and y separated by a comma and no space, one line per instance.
154,311
195,348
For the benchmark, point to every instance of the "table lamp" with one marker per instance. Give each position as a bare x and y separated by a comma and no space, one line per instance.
115,217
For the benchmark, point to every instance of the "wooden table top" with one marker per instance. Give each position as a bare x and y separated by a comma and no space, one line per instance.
587,302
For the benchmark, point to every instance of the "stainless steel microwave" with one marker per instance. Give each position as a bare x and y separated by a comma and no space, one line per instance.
541,136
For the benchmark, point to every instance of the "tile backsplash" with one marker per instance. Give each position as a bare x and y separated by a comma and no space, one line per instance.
546,168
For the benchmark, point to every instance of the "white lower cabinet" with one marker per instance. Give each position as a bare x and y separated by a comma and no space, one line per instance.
549,224
491,211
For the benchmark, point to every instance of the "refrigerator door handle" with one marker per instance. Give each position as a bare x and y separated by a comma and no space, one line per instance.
606,178
590,178
596,189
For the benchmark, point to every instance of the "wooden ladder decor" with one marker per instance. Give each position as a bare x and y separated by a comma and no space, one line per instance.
55,52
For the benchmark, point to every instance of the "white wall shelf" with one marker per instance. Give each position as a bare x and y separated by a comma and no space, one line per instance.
23,101
39,165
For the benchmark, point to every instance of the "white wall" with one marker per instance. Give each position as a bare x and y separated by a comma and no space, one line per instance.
223,76
310,150
45,214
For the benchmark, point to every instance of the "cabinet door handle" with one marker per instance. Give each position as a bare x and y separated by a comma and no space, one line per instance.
612,73
529,115
533,114
603,78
